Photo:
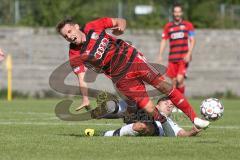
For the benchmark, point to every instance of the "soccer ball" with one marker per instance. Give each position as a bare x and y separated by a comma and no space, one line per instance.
211,109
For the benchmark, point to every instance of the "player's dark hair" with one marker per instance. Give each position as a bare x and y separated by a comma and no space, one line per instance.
177,5
62,23
162,99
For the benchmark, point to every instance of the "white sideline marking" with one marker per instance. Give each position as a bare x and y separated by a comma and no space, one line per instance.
93,124
58,124
31,113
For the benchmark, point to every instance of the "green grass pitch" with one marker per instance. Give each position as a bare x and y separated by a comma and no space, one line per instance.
29,129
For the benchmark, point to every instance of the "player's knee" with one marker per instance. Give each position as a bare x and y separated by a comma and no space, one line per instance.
174,82
139,127
149,108
179,85
180,80
166,87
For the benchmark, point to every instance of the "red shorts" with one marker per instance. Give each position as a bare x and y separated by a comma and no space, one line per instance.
132,84
176,68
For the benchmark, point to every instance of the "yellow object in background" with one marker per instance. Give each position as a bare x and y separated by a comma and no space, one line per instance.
9,76
89,132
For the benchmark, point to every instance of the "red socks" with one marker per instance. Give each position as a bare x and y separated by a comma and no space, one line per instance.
181,89
181,102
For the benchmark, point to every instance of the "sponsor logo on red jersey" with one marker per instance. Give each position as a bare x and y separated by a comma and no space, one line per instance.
177,35
101,49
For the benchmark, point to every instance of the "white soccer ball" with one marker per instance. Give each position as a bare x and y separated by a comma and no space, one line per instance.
211,109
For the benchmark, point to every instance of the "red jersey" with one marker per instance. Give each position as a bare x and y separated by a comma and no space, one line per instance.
101,51
178,35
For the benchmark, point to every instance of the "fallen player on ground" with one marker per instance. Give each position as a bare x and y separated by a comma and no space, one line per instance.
146,127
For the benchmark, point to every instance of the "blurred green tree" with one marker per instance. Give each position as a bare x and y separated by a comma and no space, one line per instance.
204,14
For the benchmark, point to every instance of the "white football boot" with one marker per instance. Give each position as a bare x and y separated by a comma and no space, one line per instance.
200,123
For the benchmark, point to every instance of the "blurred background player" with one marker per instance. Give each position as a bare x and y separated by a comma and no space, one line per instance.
143,128
2,56
180,34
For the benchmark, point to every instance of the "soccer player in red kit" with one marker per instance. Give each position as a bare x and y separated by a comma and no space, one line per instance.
180,34
92,47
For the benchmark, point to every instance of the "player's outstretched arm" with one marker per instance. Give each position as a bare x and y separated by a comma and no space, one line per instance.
193,132
119,25
1,55
192,43
163,44
84,91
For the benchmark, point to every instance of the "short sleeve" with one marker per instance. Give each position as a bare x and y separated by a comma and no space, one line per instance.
165,32
100,24
191,30
75,61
